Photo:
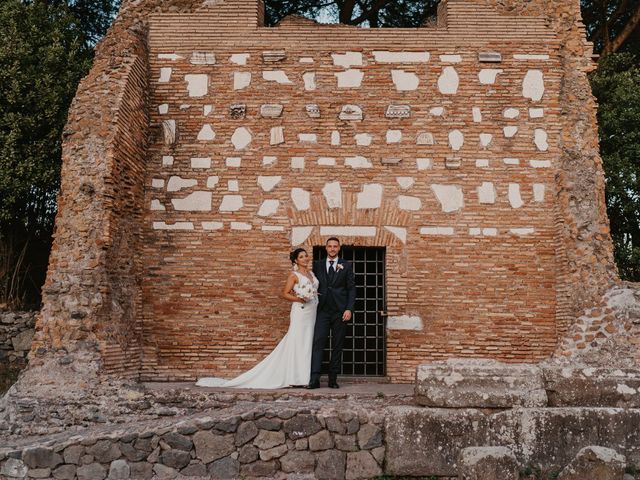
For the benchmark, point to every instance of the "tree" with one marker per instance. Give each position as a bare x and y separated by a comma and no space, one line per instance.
616,85
612,25
370,13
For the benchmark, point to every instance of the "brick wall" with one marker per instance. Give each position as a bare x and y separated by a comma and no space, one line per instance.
484,183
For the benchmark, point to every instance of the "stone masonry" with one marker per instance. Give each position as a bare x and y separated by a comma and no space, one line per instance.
16,334
203,146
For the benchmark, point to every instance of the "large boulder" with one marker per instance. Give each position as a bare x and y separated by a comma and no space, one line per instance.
479,384
487,463
595,463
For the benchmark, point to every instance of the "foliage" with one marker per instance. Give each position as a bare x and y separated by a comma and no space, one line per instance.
369,13
43,55
612,25
616,85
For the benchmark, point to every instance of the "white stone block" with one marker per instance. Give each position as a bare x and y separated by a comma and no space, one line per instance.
527,56
357,162
405,182
332,192
540,163
177,183
482,163
163,109
448,81
195,202
233,162
240,226
268,208
424,163
173,226
169,56
335,138
477,114
239,58
241,80
540,139
533,85
449,58
212,181
157,183
277,135
394,136
437,231
297,163
538,192
185,106
490,232
437,111
347,60
231,203
206,133
299,235
456,140
241,138
487,193
404,322
400,57
370,196
487,76
169,131
309,79
157,205
233,186
269,160
167,160
450,197
350,78
363,139
515,199
347,231
327,161
301,198
522,231
404,81
313,110
510,131
511,161
197,84
307,138
278,76
399,232
203,58
206,110
165,75
485,139
273,56
268,182
411,204
425,138
306,60
200,162
272,228
212,225
536,112
511,113
350,112
271,110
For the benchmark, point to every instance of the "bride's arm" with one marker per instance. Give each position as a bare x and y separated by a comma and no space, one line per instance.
288,287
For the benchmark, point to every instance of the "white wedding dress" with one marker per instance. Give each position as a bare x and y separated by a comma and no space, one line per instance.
290,362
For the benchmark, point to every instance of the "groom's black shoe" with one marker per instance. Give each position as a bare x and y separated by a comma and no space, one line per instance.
333,383
313,384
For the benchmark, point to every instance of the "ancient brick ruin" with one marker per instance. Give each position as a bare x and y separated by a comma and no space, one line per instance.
203,146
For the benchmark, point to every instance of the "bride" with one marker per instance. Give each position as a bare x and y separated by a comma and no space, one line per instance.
289,364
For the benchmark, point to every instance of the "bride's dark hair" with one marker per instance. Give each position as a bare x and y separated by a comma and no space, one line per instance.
293,256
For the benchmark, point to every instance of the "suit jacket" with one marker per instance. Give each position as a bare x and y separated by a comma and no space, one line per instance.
339,293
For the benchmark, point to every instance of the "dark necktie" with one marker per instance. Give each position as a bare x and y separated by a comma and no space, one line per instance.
332,271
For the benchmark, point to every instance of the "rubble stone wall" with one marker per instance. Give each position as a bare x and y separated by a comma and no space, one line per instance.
468,150
16,333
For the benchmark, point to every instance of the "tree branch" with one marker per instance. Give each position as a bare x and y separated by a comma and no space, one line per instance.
377,5
621,37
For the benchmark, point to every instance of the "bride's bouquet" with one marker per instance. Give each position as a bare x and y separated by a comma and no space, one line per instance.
305,291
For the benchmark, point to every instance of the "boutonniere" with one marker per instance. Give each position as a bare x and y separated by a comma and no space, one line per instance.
339,267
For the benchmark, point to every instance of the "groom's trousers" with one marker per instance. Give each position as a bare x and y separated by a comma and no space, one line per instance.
328,320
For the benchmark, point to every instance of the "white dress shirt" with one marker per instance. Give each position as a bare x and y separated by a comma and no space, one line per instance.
335,264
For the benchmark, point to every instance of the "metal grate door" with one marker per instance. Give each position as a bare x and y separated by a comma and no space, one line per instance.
364,352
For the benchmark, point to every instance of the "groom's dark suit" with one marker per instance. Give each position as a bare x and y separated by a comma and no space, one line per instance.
337,293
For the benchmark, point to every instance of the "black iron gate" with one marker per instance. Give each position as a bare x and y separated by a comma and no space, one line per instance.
364,352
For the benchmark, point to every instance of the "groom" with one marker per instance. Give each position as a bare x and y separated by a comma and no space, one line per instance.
337,295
